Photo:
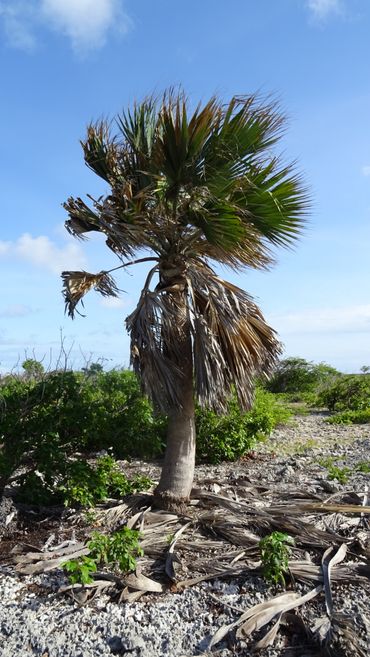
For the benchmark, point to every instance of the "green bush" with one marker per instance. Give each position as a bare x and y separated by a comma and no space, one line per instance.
349,393
88,485
75,482
297,376
228,437
45,421
33,368
68,411
351,417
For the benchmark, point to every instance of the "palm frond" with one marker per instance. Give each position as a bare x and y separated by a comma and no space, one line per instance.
157,328
77,283
82,219
232,342
101,151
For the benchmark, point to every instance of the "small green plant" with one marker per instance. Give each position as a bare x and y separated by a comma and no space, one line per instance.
275,552
80,570
118,550
341,474
363,466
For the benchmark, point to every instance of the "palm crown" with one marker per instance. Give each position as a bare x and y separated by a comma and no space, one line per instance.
191,190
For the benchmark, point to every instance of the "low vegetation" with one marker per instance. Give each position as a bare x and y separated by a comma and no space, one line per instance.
51,423
335,471
300,379
228,437
301,384
119,551
275,552
349,393
351,417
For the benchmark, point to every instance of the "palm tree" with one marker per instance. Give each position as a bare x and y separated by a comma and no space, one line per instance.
190,191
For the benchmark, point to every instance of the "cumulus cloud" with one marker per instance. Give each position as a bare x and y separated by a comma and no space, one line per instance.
366,170
86,23
346,319
42,252
321,9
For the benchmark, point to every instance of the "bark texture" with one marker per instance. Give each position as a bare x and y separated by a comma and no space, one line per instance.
179,461
178,468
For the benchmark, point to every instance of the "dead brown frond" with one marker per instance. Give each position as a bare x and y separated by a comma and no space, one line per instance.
232,342
77,283
157,328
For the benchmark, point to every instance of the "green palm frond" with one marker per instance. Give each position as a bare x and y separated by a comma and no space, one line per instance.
101,151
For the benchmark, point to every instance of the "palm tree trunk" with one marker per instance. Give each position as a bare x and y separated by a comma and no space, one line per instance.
179,461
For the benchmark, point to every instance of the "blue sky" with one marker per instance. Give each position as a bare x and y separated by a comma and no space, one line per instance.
65,62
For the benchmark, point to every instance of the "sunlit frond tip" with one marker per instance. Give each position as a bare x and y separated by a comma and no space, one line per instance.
77,283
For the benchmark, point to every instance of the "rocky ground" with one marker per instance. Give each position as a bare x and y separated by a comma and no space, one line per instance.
288,470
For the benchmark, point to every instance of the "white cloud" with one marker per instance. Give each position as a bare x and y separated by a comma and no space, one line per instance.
86,23
347,319
366,170
42,252
18,18
4,247
321,9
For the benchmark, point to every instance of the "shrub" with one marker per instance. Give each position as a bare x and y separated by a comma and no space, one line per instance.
349,393
297,375
228,437
118,550
87,485
45,421
351,417
33,368
70,482
67,411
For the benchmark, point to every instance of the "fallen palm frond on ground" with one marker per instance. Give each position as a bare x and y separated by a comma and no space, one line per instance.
219,538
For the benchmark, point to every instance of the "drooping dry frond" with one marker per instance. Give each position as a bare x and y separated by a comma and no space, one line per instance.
77,283
156,328
232,342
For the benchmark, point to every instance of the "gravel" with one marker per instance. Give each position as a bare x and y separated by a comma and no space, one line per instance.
35,620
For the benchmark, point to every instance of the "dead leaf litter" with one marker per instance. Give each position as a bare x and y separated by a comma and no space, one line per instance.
198,589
